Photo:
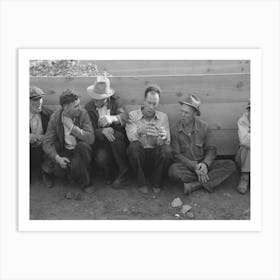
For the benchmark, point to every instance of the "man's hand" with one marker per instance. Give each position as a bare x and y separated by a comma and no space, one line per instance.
36,139
32,138
162,133
203,179
202,168
109,133
201,171
62,161
68,122
107,120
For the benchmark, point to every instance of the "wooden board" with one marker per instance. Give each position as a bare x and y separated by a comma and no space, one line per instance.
169,67
210,89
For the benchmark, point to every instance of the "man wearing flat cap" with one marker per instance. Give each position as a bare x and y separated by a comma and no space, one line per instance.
108,117
148,132
68,141
39,117
243,155
195,165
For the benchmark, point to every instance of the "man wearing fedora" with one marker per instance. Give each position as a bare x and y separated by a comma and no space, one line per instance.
68,141
39,117
148,132
195,165
108,117
243,155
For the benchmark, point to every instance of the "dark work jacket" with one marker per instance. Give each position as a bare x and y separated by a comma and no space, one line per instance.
53,142
116,107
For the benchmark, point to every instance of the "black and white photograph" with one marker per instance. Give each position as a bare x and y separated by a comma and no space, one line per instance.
140,139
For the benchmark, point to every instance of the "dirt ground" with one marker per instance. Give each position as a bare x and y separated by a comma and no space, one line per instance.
107,203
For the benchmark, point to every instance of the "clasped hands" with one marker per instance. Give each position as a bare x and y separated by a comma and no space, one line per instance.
62,161
107,120
152,130
201,171
35,139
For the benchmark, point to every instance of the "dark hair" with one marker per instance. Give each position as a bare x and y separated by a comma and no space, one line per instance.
67,96
153,88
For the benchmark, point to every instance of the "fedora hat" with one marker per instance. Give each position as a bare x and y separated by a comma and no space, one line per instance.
193,101
100,89
36,93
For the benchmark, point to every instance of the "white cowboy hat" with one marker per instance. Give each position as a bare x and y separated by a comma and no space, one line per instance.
100,89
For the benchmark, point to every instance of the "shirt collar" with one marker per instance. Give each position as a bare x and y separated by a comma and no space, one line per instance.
195,127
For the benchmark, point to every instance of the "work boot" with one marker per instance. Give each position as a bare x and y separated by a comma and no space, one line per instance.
243,183
89,189
47,179
120,181
190,187
156,190
143,189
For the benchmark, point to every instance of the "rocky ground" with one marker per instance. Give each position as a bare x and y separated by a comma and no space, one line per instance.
128,204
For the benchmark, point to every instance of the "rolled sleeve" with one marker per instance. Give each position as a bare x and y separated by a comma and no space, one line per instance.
131,127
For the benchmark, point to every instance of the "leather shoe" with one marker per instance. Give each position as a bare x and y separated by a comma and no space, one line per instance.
47,179
143,189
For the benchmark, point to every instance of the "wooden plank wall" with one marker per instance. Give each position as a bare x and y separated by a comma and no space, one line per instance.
223,87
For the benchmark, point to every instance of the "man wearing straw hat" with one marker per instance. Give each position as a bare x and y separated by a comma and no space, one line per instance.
243,155
38,122
68,141
108,117
195,164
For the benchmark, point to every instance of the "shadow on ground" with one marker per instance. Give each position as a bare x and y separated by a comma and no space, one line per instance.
107,203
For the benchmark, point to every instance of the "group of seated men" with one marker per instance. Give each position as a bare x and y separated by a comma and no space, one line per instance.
67,143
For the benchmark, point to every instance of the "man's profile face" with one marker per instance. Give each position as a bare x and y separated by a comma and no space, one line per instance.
72,109
187,114
36,105
151,103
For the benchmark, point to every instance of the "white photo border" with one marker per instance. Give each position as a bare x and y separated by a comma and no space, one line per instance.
255,222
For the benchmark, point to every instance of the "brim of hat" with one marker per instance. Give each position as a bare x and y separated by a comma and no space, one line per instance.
98,96
37,97
189,104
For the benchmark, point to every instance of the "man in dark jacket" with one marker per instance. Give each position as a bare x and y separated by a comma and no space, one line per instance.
195,164
38,121
68,141
108,117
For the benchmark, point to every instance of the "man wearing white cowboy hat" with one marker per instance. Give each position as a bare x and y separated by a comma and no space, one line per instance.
108,117
195,164
243,155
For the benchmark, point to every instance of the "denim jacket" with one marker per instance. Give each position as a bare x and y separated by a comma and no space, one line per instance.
192,148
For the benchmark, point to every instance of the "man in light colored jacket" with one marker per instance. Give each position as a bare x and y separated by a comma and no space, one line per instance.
243,155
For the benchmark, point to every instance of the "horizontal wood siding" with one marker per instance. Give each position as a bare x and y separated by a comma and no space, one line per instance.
223,87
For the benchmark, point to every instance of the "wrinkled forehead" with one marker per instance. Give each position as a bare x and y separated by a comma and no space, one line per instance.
152,96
